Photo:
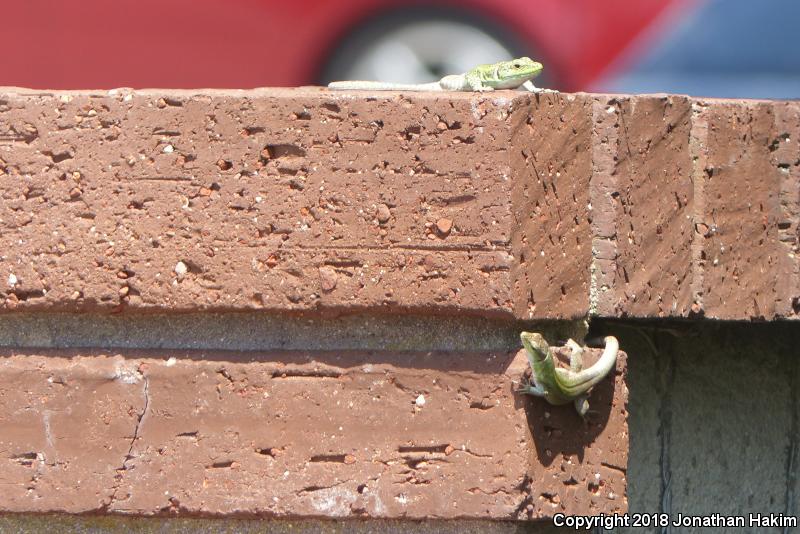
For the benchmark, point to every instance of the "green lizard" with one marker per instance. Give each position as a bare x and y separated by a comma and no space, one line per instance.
558,385
503,75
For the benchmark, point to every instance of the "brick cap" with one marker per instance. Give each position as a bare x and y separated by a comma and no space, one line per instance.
554,206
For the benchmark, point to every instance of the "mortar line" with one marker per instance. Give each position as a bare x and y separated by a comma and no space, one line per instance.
666,381
794,442
605,155
698,150
665,369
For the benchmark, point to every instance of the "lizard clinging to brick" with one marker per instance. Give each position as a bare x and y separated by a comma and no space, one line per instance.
558,385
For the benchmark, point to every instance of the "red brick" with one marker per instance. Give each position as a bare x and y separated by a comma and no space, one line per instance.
737,224
552,161
645,192
302,434
254,192
785,148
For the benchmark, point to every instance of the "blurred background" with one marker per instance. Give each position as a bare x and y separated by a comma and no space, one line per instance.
726,48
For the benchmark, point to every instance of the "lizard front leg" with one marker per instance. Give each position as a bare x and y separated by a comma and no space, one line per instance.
529,86
474,82
532,388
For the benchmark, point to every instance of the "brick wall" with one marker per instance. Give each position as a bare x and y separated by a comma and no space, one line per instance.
306,205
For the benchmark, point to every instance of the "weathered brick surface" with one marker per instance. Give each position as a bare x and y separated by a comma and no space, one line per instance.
742,254
267,200
646,196
302,434
786,158
546,206
552,243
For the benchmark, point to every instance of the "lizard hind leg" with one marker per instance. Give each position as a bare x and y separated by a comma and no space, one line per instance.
582,405
575,356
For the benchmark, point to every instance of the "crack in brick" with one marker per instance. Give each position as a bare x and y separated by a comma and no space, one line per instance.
224,373
503,491
129,454
312,489
307,373
475,454
614,467
493,246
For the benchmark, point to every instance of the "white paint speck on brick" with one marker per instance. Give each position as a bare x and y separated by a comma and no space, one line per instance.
181,269
333,502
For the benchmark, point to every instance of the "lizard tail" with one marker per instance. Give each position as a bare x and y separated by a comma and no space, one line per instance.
383,86
575,383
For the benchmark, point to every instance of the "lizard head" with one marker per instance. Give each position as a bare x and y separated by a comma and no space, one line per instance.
522,68
535,344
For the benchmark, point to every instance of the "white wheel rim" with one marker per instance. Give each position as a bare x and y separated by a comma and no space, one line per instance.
405,54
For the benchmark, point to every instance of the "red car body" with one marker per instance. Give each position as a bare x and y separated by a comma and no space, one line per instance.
251,43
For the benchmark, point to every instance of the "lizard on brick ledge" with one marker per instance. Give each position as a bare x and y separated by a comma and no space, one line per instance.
502,75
